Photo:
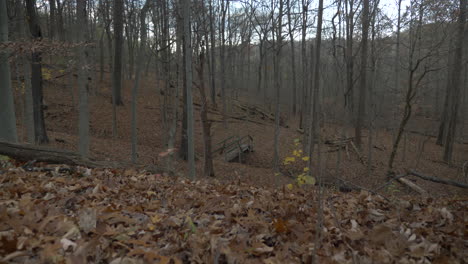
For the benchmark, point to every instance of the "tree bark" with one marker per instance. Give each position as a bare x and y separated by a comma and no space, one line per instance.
363,84
118,36
293,59
213,58
188,87
277,62
83,122
456,83
314,135
26,152
7,107
206,124
36,76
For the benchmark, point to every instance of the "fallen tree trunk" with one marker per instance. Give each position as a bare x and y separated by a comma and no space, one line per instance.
438,180
26,152
413,186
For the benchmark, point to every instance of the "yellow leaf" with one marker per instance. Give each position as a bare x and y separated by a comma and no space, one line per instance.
305,158
309,180
289,186
151,227
155,219
306,169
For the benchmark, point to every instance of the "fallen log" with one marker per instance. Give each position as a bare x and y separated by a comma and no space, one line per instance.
438,180
26,152
413,186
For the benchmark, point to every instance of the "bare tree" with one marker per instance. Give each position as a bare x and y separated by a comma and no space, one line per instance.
212,58
40,132
417,70
456,82
139,66
293,57
222,55
305,89
83,122
188,87
7,108
206,123
363,85
277,28
117,67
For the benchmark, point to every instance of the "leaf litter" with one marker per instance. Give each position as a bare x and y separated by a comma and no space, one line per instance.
78,215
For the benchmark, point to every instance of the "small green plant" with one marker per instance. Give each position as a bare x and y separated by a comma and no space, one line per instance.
393,189
298,163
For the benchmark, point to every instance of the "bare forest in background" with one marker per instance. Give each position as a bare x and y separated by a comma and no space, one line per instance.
363,89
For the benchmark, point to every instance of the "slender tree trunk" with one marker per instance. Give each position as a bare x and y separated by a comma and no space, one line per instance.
183,154
349,94
293,59
139,66
213,58
441,136
456,83
314,131
83,122
363,85
188,87
277,63
397,62
206,124
36,76
223,62
52,28
60,22
7,107
118,36
26,64
304,65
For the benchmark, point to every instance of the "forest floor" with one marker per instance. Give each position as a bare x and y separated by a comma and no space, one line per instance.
420,153
246,214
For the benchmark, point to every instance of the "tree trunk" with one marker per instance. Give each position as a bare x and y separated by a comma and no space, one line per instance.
188,87
313,131
52,28
456,83
277,62
7,107
223,62
206,124
304,66
349,94
441,136
83,122
363,85
118,36
36,76
213,58
293,59
139,66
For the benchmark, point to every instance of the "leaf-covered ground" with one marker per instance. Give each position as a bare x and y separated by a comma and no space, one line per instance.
59,214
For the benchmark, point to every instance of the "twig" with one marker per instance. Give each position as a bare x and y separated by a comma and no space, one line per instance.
363,188
390,181
465,172
361,159
438,180
14,255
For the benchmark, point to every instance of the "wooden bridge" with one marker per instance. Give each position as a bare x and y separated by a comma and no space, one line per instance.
234,148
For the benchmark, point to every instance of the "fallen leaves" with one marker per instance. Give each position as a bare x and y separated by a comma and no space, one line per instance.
79,215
